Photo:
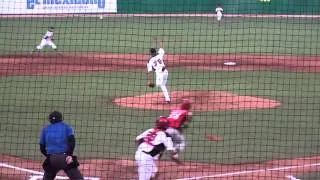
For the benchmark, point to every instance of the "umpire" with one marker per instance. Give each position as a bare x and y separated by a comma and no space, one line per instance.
57,142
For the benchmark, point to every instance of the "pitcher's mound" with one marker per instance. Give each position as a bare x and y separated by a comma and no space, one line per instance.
202,101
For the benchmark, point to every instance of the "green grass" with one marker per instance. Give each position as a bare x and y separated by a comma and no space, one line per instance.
182,35
106,130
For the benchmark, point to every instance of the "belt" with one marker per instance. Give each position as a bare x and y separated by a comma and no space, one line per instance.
148,153
152,155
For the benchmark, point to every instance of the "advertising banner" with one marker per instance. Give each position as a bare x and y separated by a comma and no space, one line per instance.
57,6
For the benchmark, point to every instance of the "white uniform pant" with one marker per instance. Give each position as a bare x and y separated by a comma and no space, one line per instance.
147,167
178,139
219,16
161,81
162,77
46,42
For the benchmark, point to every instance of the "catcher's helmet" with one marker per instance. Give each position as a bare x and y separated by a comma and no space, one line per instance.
153,51
162,123
55,117
185,104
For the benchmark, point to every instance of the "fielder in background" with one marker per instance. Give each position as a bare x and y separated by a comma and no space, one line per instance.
47,40
151,144
178,119
219,11
157,65
57,143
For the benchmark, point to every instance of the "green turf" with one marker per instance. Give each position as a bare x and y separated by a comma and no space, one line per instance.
182,35
106,130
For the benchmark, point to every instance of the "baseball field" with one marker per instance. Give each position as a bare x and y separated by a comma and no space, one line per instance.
263,112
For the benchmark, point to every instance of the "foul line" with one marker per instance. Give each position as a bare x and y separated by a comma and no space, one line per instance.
250,172
38,175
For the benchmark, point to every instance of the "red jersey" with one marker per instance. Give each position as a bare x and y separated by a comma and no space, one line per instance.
177,117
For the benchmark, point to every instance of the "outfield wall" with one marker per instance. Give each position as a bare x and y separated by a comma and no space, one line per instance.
230,6
293,7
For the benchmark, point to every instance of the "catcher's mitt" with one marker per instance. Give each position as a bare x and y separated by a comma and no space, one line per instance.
150,84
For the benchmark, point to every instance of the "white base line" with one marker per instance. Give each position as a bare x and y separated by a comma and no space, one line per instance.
37,175
250,172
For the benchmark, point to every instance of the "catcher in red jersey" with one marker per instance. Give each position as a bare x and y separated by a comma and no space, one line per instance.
179,118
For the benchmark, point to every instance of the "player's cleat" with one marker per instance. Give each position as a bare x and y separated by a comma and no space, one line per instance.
168,102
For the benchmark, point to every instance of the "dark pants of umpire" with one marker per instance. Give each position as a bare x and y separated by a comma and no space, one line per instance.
55,163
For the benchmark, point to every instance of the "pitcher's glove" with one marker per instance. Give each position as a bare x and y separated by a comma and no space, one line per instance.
151,84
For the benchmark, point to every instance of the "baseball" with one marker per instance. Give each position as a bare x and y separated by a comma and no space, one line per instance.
101,17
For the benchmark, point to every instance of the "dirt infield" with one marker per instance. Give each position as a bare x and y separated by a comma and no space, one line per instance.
201,101
55,64
17,168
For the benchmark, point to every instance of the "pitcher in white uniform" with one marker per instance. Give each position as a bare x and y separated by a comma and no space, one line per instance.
156,64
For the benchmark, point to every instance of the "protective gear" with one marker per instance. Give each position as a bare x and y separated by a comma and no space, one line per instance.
153,52
185,104
162,123
55,117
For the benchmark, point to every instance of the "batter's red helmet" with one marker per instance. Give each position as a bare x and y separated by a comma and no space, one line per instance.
185,104
162,123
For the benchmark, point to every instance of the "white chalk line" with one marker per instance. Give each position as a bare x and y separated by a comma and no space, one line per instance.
163,15
38,175
250,172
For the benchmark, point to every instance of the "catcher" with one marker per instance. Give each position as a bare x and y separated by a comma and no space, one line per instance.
151,145
178,119
157,65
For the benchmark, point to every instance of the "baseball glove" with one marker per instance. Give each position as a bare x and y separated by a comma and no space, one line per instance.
150,84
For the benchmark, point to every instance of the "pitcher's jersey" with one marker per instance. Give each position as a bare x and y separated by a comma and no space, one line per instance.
156,63
177,117
155,141
48,35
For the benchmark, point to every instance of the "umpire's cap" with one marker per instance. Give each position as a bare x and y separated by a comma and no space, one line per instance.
55,117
